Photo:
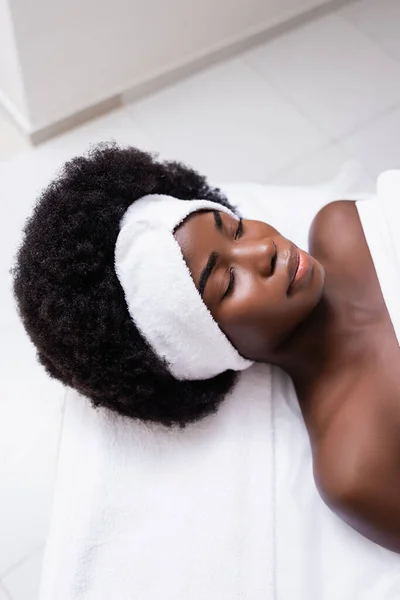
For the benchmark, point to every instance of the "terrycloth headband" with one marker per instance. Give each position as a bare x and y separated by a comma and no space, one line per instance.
161,295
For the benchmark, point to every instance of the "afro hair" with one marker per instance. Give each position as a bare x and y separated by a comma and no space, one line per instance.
70,300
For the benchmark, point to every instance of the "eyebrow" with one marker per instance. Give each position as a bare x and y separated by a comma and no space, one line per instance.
212,260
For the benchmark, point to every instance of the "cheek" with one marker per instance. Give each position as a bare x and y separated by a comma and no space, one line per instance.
253,327
261,326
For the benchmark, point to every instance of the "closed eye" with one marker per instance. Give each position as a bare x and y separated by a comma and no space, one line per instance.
239,231
238,234
231,283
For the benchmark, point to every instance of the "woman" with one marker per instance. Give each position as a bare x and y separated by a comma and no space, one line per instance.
142,289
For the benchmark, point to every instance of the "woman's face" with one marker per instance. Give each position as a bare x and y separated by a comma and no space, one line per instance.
244,272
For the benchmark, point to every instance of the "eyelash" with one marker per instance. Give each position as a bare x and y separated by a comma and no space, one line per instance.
238,234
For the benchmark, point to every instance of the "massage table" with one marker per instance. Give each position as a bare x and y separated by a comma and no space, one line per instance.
227,508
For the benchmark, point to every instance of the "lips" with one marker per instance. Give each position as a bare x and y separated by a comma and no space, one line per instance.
292,264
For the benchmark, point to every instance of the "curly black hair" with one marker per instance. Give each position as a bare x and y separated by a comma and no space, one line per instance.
71,302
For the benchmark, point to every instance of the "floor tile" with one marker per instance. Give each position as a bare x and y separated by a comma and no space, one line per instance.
228,123
377,146
23,582
330,72
12,142
321,167
379,20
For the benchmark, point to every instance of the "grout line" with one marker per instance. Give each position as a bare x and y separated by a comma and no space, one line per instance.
21,561
244,57
368,36
333,139
392,108
5,591
330,145
258,71
338,141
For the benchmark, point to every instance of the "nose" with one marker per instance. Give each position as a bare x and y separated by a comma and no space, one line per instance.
255,254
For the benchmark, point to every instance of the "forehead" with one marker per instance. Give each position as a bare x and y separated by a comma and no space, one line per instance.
194,233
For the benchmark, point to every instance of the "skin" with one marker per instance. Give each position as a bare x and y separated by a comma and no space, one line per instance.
332,334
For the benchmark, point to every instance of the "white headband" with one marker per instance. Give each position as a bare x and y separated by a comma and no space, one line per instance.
162,298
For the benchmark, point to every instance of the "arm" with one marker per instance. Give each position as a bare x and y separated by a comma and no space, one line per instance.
360,482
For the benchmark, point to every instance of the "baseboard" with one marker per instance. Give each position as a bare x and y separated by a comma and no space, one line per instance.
43,134
177,71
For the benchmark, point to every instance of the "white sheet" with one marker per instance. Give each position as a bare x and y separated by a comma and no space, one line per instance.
227,509
380,217
141,512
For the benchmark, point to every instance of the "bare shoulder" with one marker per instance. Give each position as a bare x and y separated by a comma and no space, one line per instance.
337,240
337,209
335,228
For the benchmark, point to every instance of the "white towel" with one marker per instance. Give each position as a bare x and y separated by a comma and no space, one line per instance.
145,513
380,217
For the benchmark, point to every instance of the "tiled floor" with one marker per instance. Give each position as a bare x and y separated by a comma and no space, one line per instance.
11,140
289,112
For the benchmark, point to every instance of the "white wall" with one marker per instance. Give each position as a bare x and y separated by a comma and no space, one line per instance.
11,85
79,52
